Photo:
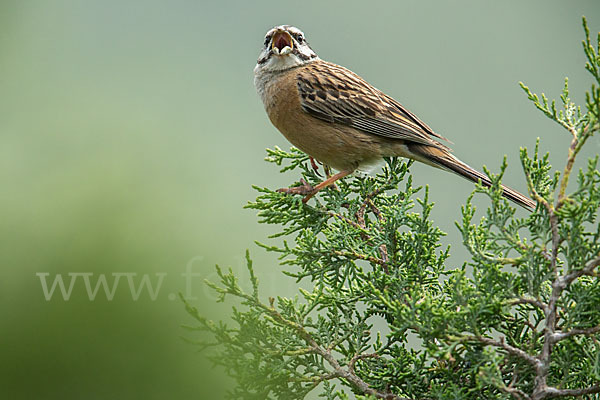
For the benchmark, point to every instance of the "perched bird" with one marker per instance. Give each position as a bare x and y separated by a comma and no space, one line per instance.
336,117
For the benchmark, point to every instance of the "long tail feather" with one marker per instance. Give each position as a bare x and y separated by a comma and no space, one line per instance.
443,159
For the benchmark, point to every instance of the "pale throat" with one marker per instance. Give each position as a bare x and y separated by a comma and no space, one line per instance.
281,63
264,73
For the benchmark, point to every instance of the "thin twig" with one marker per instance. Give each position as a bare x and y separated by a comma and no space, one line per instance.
357,357
573,150
587,270
359,256
507,347
347,220
516,393
558,336
554,392
534,302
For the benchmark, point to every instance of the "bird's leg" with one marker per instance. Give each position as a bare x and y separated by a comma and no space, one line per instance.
329,181
315,167
309,191
327,169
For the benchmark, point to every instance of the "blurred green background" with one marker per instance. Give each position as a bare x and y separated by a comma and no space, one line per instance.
131,133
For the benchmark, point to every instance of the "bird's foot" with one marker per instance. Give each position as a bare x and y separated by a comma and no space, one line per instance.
305,189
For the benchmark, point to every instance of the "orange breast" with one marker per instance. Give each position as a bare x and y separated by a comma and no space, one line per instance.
339,146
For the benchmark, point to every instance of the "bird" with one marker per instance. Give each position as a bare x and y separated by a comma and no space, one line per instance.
339,119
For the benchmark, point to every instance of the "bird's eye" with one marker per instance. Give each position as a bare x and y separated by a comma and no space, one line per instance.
267,40
300,38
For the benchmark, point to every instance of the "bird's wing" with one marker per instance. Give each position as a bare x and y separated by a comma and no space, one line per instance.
335,94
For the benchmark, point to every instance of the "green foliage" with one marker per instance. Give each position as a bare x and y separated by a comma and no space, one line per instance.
385,317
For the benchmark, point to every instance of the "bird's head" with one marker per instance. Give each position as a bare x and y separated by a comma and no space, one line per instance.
284,47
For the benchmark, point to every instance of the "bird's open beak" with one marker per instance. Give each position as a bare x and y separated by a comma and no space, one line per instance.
282,43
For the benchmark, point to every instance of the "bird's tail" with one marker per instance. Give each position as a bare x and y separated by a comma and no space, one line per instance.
444,159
